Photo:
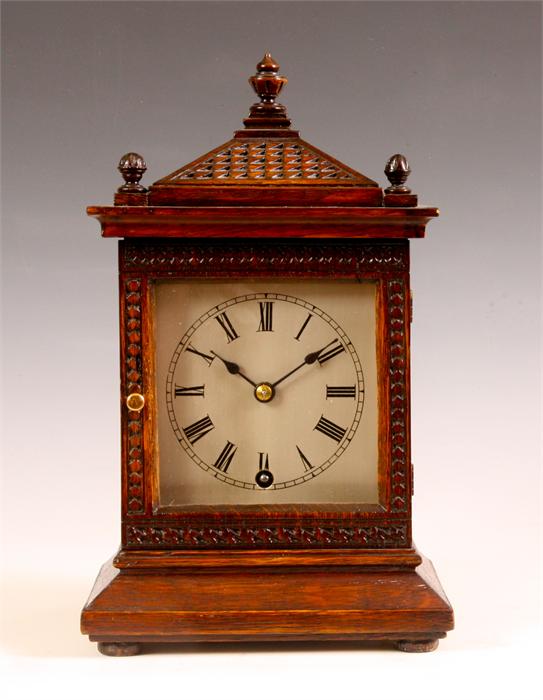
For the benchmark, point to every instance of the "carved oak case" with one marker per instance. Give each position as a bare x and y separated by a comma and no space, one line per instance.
281,510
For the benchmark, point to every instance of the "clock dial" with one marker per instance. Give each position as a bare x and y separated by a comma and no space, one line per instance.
265,392
281,398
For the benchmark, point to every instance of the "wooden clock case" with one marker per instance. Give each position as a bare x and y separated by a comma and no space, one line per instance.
266,204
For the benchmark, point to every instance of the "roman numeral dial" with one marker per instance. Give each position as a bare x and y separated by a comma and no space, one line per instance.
264,392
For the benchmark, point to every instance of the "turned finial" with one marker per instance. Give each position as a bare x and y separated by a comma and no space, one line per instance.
267,83
132,167
397,171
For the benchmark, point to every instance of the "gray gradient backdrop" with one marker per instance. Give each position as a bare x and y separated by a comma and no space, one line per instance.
454,86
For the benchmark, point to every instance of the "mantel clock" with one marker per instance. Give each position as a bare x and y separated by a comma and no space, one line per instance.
266,469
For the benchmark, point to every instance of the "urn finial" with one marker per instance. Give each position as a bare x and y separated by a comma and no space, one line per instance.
267,83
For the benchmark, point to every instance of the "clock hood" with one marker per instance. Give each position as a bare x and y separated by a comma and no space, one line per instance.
265,161
264,182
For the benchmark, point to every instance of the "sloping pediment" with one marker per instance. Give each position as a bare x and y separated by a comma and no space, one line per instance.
266,161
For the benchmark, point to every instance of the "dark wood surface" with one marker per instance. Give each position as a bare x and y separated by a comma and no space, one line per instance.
263,222
248,605
279,195
265,559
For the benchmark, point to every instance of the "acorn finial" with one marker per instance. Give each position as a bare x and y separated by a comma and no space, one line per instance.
132,167
267,83
397,171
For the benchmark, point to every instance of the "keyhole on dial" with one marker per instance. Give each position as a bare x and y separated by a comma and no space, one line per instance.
264,478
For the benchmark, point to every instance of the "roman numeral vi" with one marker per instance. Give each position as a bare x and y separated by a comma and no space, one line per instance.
263,460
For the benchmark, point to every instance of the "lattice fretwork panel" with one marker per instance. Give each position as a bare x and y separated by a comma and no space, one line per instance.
265,160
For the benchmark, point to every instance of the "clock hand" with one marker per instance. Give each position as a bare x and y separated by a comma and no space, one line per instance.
309,359
233,368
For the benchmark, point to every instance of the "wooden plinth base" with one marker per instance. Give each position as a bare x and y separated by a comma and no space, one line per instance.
138,604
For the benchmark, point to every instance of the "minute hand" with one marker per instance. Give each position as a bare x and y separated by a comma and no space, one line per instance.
309,360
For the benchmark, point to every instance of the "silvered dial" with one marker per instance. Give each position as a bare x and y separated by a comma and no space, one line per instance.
265,391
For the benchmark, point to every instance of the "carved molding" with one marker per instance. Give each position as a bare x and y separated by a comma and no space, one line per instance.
223,259
133,384
265,536
396,302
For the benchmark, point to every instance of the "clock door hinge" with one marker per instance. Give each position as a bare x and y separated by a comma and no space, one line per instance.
412,480
410,306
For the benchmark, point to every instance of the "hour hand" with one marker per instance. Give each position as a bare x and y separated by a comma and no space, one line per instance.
233,368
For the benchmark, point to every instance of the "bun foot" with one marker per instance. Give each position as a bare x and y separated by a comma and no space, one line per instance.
119,648
417,645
